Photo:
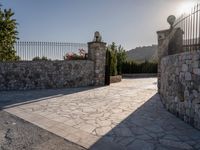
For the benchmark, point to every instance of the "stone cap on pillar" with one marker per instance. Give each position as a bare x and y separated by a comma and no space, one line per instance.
171,20
97,38
163,33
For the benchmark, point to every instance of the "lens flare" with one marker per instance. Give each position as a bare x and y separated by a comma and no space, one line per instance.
186,7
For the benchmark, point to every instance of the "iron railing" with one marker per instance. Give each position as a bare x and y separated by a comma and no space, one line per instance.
190,24
51,50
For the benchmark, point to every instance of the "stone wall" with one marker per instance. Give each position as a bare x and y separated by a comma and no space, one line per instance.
170,42
180,86
25,75
115,79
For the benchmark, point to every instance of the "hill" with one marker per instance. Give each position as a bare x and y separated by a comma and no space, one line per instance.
141,54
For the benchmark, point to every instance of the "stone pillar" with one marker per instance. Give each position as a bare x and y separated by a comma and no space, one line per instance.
97,53
176,42
162,51
169,42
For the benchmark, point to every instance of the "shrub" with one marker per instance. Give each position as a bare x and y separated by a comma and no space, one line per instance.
134,67
43,58
117,57
73,56
121,58
8,35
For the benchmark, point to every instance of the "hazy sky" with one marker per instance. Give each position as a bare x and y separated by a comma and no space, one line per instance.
130,23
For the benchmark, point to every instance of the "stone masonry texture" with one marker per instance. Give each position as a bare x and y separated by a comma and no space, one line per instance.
97,53
180,86
25,75
169,42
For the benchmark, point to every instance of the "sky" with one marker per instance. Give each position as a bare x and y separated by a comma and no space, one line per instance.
131,23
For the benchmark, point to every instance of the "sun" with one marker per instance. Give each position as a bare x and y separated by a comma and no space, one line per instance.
186,7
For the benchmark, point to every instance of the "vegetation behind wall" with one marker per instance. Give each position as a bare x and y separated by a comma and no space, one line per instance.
118,56
130,67
8,35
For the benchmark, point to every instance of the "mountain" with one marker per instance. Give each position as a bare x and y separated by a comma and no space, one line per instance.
141,54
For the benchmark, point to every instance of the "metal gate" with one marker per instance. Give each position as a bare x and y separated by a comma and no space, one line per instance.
107,68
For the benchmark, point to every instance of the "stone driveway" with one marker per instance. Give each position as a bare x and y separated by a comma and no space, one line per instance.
126,115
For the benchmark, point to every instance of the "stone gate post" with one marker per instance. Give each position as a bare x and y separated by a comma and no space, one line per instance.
169,42
97,53
162,50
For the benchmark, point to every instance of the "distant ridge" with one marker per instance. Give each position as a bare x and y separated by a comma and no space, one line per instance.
141,54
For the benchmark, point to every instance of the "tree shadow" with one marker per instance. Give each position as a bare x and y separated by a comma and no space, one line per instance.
150,127
10,99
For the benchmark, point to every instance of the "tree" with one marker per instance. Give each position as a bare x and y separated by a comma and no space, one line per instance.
118,57
113,62
121,58
8,35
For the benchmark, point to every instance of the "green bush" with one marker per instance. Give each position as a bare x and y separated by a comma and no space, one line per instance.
121,57
133,67
8,35
43,58
117,57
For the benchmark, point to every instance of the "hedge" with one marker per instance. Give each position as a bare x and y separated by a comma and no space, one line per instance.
133,67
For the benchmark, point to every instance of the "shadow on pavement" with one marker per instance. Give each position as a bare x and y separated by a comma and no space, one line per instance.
10,99
150,127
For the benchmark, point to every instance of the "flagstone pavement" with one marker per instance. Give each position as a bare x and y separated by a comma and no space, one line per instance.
123,116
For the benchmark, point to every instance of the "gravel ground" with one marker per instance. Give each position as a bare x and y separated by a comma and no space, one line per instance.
17,134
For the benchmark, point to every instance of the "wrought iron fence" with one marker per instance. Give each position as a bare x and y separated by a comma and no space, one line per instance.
50,50
190,24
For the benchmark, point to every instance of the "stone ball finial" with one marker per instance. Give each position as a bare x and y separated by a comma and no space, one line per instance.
171,20
97,37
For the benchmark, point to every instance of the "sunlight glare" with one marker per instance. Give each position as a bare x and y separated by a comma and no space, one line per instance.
186,7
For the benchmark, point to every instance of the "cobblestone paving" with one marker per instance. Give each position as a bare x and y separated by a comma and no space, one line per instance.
126,115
